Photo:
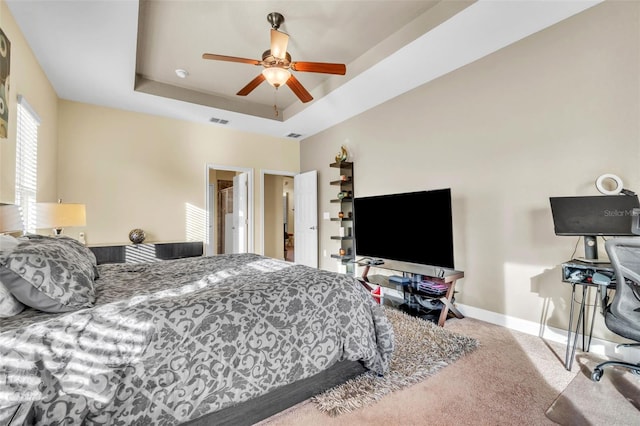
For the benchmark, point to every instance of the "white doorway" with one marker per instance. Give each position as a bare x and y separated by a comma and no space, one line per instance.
301,205
230,209
277,222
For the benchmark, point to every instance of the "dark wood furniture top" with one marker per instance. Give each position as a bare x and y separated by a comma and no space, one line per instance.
146,252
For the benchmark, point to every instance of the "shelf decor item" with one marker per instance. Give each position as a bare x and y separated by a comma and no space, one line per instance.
137,236
342,155
346,250
5,58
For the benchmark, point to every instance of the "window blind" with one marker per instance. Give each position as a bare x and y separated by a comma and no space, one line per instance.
27,162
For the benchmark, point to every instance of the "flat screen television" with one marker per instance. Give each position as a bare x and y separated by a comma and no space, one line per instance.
413,227
592,216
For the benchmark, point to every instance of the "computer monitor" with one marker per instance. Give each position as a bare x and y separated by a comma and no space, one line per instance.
591,216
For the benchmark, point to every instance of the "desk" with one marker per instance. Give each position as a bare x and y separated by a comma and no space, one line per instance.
577,272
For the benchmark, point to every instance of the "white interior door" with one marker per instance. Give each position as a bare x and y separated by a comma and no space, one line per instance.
211,208
306,218
240,208
229,236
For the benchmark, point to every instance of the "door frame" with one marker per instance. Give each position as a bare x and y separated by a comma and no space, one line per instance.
264,172
211,205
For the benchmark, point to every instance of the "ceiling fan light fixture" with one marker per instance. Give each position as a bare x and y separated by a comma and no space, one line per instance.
277,62
276,76
279,43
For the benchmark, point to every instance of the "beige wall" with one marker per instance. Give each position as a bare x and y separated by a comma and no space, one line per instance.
27,79
135,170
543,117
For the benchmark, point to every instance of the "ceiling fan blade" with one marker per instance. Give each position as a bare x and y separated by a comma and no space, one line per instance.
322,67
279,42
230,59
299,89
252,85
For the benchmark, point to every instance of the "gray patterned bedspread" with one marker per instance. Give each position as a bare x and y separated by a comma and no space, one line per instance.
170,341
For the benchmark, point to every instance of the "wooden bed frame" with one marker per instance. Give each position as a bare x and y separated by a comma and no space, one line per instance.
262,407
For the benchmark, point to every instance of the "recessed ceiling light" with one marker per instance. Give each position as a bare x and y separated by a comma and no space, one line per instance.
182,73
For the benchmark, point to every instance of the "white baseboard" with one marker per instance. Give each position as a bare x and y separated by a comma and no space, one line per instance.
600,347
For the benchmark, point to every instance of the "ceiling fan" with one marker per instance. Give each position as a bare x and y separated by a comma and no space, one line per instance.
277,63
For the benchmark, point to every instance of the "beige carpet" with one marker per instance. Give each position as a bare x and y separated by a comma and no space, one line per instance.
614,400
511,378
421,350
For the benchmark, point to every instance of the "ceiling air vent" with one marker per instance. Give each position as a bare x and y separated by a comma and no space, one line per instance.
219,120
294,135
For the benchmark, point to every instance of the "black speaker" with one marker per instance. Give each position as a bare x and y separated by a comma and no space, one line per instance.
590,247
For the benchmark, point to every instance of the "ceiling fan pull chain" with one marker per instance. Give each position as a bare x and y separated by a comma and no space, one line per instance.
275,101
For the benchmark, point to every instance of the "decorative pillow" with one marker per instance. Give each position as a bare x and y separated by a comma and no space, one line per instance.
52,274
9,305
76,245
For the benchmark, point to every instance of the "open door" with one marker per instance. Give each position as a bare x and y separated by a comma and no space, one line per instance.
219,200
240,217
211,200
306,218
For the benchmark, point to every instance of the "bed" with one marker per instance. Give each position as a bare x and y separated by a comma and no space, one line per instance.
177,341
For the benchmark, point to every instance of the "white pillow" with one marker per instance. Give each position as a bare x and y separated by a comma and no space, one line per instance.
8,243
9,305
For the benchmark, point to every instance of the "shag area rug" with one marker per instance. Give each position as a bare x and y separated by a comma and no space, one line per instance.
421,349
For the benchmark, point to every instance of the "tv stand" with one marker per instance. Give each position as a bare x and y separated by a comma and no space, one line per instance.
415,299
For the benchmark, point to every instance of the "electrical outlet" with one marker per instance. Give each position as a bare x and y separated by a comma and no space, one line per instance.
326,216
81,238
324,253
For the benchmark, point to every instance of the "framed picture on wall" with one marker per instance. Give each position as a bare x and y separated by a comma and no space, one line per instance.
5,59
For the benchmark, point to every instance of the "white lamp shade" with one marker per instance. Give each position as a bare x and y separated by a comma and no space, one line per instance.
58,215
276,76
10,218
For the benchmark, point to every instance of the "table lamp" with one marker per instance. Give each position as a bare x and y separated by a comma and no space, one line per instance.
10,219
60,215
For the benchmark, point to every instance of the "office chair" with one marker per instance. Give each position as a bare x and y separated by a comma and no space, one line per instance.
622,314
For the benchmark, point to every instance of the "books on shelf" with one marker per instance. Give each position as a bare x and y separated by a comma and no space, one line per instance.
432,288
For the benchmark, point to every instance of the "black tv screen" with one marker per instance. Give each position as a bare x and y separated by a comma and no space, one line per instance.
413,227
606,215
